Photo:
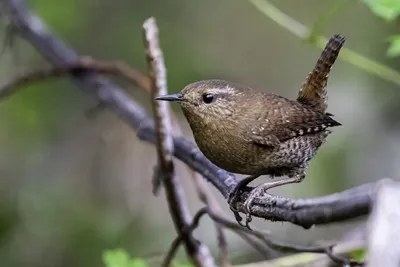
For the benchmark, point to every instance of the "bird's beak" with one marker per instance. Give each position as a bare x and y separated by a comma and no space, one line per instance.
174,97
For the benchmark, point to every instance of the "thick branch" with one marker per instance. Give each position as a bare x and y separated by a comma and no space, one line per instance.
384,227
322,210
341,206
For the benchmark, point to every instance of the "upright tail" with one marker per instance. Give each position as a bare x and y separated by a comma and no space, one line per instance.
313,91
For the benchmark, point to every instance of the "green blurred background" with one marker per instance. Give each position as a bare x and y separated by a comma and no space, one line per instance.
72,187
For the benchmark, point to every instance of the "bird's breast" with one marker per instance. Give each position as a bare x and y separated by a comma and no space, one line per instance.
226,146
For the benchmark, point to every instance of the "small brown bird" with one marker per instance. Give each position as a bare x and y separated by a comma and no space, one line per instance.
257,133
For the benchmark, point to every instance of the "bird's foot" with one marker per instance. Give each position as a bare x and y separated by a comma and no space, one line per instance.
262,188
233,197
257,191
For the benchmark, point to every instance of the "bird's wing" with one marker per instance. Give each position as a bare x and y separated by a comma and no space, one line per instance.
287,119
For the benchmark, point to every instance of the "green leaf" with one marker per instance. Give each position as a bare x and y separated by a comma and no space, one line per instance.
386,9
120,258
358,254
116,258
394,48
137,262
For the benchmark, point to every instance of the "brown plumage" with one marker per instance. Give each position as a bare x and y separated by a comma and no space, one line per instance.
313,91
257,133
250,132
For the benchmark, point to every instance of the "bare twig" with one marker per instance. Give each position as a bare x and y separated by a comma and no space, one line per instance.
263,250
84,64
223,246
337,207
158,86
197,252
263,236
208,199
280,246
177,241
314,259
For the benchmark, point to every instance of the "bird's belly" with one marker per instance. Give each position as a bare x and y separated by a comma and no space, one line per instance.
228,152
294,153
237,159
247,158
234,154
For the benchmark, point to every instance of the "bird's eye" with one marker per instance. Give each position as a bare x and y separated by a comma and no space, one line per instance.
208,98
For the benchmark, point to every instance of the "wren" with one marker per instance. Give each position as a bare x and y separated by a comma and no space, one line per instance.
255,133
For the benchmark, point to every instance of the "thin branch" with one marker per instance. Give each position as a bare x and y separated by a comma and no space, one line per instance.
263,250
177,241
223,246
337,207
198,253
158,86
84,64
380,70
327,15
209,200
262,236
343,248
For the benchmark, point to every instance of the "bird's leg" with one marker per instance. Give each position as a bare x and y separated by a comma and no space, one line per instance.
234,195
297,178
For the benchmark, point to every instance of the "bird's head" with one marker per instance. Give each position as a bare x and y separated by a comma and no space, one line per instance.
208,100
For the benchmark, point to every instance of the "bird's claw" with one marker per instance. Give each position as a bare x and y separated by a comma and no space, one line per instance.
236,214
232,200
248,220
248,203
239,218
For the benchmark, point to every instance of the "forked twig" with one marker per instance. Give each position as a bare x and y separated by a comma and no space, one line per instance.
279,246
